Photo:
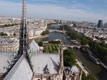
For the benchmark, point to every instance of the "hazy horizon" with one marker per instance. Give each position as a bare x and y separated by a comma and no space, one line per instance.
75,10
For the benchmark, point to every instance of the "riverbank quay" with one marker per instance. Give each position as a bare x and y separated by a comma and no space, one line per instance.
83,68
39,37
94,58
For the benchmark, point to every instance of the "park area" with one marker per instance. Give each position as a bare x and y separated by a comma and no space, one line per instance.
51,48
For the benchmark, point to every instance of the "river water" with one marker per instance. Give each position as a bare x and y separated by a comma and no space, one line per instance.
97,70
60,36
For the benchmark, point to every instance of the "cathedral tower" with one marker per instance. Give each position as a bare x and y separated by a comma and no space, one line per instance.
23,46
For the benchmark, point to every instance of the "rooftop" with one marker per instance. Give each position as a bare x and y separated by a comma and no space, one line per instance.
42,61
20,71
5,58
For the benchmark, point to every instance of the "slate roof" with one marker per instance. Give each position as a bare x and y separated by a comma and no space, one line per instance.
34,47
40,61
20,71
4,59
75,69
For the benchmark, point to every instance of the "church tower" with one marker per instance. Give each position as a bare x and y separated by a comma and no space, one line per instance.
23,46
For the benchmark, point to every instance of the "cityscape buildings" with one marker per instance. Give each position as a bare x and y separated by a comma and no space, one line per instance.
27,64
100,24
8,44
21,58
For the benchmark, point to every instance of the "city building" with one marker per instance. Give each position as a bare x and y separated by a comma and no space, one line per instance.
100,24
9,20
8,44
105,25
72,73
97,34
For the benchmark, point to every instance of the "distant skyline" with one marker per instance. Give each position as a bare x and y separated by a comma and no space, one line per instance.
76,10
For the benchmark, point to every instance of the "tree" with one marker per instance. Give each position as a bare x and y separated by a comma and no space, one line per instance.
69,57
64,27
84,41
45,32
49,25
74,24
8,25
3,34
40,43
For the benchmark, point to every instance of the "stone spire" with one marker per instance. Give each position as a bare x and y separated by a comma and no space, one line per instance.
23,31
24,45
61,66
61,58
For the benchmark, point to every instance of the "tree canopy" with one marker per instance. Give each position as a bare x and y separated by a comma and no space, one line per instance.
69,57
45,32
98,48
7,25
3,34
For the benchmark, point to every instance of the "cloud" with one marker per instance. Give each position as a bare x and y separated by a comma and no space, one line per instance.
64,13
49,12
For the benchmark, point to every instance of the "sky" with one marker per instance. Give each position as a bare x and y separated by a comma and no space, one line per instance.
75,10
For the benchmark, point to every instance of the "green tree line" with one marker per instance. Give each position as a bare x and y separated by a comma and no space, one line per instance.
64,27
69,57
98,48
45,32
7,25
3,34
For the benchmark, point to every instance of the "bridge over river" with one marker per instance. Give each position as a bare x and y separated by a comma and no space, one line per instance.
57,31
71,46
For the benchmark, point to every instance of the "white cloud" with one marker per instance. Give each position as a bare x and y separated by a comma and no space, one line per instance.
49,11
